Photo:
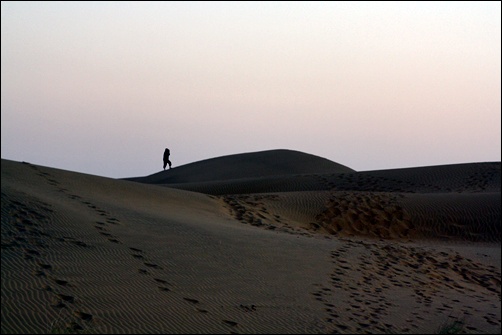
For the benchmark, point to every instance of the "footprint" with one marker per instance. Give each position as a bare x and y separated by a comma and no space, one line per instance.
248,308
38,273
193,301
58,304
137,250
113,240
45,266
79,243
32,252
83,316
67,298
73,327
230,323
61,282
152,265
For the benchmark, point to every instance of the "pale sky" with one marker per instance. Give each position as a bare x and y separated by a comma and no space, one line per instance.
104,87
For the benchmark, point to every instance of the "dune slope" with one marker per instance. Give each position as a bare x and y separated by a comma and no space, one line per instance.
334,252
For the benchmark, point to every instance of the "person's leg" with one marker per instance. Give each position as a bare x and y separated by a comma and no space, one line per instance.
169,163
165,163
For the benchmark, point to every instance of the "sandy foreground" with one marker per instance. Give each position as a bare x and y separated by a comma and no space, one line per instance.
306,246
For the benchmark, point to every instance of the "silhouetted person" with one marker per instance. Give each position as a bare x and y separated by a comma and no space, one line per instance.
166,158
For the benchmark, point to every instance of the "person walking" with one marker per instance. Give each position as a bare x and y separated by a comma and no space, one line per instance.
166,158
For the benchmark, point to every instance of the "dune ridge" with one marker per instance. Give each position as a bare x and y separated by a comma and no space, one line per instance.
292,251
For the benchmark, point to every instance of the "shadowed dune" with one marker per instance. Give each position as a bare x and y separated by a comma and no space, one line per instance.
304,245
455,178
247,165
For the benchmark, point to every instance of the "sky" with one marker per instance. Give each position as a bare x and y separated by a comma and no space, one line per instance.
104,87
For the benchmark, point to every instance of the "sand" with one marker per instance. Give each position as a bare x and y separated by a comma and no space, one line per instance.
304,246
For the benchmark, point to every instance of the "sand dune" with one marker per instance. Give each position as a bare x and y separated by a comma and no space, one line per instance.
247,165
304,246
458,201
